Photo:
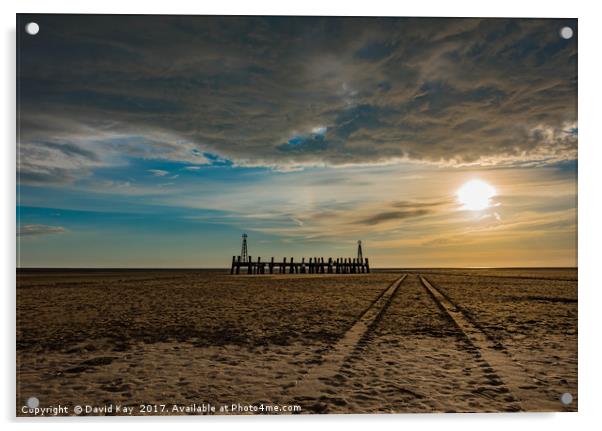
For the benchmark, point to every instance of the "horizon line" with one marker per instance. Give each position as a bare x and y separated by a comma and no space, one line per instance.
228,268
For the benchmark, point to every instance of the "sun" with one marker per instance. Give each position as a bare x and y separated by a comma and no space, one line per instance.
475,195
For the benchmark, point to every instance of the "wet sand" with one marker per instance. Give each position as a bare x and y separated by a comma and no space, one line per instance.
184,337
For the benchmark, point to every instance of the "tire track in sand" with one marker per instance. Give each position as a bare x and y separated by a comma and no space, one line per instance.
513,376
315,382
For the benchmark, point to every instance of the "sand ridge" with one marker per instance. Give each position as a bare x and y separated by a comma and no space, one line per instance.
331,361
512,375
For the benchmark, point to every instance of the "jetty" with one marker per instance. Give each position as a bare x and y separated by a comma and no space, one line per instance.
313,265
244,264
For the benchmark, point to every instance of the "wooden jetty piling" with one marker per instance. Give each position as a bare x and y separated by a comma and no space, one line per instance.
313,265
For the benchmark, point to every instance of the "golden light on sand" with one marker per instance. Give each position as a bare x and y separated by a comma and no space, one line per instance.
475,195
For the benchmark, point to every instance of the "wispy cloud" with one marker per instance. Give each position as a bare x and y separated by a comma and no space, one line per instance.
30,230
392,215
158,172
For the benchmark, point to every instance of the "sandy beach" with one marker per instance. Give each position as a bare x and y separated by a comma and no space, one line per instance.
184,337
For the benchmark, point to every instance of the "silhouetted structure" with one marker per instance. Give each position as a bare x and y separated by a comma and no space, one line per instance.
244,254
313,265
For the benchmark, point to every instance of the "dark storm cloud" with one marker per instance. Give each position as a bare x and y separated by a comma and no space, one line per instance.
254,90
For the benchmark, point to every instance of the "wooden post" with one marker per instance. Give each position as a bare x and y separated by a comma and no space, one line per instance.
258,269
233,265
283,266
367,266
330,265
302,265
238,265
272,265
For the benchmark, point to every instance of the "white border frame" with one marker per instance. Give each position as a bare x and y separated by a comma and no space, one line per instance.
590,177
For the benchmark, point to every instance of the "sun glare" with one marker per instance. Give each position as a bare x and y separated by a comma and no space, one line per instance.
475,195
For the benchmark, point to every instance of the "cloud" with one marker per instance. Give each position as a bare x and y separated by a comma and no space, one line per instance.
312,144
335,220
400,211
30,230
393,215
158,172
416,205
287,93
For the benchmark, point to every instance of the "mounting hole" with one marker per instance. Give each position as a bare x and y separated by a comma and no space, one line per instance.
32,28
33,402
566,32
566,398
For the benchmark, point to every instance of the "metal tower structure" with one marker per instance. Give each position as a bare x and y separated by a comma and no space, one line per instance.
360,255
244,254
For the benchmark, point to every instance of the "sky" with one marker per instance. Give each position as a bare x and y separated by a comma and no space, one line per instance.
156,141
